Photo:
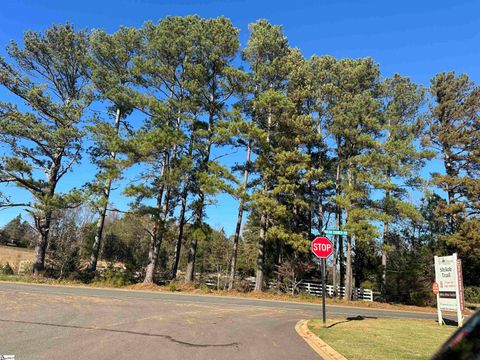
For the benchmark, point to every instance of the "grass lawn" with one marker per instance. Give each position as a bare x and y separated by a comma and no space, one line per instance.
393,339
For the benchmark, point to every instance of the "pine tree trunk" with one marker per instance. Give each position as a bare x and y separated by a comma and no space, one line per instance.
449,170
357,268
233,262
388,211
181,225
384,263
152,257
320,213
103,211
310,220
181,218
335,253
277,259
42,224
341,260
155,241
98,236
348,272
311,202
260,277
190,275
338,215
192,253
384,251
334,268
40,250
43,227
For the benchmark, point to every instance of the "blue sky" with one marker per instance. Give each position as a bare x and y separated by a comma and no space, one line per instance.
414,38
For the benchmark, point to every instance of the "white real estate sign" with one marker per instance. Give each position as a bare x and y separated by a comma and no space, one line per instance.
448,276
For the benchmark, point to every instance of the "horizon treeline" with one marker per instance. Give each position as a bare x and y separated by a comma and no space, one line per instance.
326,142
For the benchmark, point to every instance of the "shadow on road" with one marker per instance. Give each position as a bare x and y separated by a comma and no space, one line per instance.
168,337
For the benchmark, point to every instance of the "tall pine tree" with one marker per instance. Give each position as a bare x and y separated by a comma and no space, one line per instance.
44,138
112,58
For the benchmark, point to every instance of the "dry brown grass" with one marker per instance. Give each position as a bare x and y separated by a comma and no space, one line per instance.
203,290
318,300
190,289
174,287
14,255
142,286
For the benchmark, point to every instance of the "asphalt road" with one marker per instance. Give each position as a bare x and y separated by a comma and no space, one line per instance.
56,322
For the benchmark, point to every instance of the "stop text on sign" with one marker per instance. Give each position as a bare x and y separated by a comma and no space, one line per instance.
322,247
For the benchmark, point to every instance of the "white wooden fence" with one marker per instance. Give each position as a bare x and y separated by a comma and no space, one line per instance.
315,289
312,288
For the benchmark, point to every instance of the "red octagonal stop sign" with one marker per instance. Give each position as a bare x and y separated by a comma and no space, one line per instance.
322,247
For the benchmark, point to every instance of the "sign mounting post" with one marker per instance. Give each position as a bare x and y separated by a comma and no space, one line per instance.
322,248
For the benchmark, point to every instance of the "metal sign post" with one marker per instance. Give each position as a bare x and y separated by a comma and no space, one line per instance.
324,293
323,248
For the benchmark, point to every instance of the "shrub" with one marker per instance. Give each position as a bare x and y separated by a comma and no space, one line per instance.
115,276
6,269
242,285
472,294
172,286
369,284
25,267
204,288
422,298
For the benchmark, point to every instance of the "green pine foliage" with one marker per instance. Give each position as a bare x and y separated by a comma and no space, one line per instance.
325,143
49,77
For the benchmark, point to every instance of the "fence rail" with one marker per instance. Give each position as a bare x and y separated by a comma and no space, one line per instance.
312,288
316,290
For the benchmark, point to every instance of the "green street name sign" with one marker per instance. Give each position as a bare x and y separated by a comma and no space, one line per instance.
335,232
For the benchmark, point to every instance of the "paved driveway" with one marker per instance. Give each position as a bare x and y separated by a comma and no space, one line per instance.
54,322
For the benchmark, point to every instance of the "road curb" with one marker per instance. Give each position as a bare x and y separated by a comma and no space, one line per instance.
317,344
